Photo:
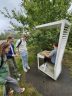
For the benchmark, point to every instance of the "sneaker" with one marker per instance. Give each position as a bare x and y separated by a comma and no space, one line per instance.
28,67
22,90
25,69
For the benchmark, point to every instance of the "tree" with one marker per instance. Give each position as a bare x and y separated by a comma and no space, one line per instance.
44,11
40,12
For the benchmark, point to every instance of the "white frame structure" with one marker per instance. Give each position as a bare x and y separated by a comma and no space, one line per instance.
54,71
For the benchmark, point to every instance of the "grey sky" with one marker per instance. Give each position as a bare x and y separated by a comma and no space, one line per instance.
9,4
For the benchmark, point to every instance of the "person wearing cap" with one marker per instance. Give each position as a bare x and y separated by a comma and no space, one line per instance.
21,46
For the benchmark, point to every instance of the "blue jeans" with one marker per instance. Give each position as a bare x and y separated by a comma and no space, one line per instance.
24,56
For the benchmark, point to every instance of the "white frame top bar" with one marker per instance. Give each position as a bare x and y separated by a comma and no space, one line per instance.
56,23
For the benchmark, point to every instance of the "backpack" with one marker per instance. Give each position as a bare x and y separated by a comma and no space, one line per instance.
19,44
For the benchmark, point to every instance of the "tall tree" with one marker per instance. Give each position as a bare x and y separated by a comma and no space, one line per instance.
40,12
44,11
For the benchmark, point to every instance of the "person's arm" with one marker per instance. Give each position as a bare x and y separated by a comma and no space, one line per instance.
45,53
51,53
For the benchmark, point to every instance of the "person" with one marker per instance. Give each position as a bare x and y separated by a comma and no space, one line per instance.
11,58
51,57
9,82
22,49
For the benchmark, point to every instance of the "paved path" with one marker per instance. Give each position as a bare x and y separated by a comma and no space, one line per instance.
48,87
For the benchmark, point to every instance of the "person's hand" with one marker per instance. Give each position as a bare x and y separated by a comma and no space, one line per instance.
16,54
47,56
13,55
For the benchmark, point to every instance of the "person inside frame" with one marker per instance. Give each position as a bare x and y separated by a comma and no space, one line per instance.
50,56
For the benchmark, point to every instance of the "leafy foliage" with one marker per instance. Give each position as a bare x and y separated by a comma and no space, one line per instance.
40,12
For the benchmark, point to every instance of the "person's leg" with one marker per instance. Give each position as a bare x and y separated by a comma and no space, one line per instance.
12,68
7,88
24,64
24,56
46,59
12,83
16,68
5,91
26,61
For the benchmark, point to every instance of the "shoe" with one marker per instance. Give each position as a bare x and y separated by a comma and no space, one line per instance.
28,67
22,90
25,69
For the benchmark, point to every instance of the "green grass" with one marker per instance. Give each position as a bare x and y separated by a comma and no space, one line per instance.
67,61
1,90
30,90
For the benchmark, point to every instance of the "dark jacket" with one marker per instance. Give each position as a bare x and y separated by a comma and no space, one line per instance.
9,54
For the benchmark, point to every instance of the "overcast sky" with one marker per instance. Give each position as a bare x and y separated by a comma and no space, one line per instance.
9,4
